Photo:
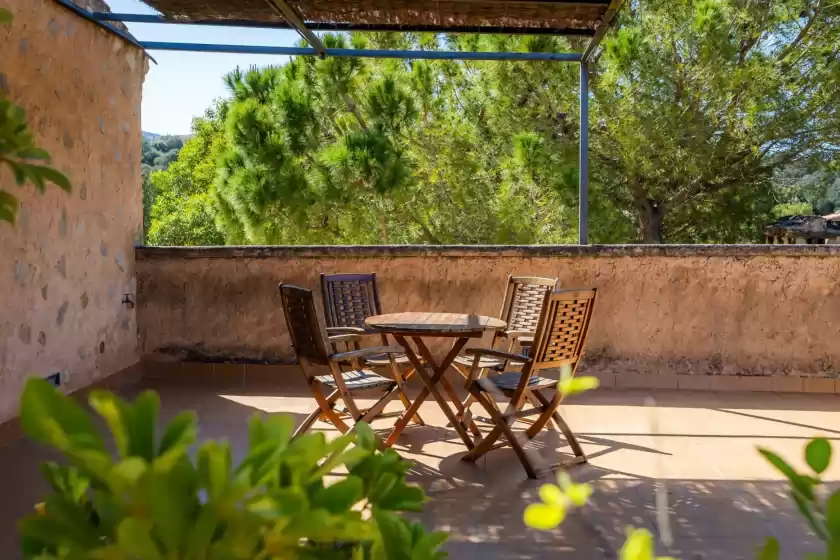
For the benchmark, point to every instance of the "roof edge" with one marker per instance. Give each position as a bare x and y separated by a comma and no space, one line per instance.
122,34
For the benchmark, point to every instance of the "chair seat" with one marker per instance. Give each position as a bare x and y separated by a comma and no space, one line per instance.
488,362
509,380
382,359
358,379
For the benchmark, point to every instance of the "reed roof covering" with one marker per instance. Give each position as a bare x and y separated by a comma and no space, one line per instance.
573,17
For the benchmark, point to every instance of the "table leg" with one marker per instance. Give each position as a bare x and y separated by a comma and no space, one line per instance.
441,369
431,382
412,410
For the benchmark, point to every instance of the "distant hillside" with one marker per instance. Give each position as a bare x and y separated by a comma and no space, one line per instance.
153,136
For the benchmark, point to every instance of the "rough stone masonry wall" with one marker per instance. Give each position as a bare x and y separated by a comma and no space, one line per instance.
662,310
67,263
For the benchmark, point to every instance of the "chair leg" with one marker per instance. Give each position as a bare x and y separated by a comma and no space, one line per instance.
466,416
379,406
502,428
326,405
485,444
502,424
551,412
307,423
404,398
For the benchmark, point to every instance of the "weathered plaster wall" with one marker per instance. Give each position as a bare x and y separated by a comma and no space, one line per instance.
756,310
67,263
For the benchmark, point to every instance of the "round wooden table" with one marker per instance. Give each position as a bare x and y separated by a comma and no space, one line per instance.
417,326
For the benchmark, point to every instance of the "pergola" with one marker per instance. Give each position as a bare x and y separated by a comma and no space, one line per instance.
580,18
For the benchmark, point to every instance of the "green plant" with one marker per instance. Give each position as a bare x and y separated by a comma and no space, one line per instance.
156,501
807,492
823,516
26,161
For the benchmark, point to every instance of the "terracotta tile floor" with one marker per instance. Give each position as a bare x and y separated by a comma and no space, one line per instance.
722,498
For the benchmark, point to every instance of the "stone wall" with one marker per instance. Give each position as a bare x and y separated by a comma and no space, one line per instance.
754,310
67,263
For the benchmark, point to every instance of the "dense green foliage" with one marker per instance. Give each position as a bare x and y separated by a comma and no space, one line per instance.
155,155
157,501
19,154
183,212
158,153
706,114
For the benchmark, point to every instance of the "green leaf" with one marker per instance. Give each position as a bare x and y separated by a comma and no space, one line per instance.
131,469
56,177
341,496
18,171
133,536
114,411
402,497
66,480
180,432
276,428
396,535
579,494
428,546
832,515
803,485
52,418
8,207
552,495
214,460
200,534
818,454
575,385
142,424
5,16
544,517
173,503
366,437
33,153
806,508
639,546
33,173
771,550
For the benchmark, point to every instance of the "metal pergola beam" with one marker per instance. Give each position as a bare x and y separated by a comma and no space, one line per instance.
292,20
583,158
602,29
348,27
289,14
362,53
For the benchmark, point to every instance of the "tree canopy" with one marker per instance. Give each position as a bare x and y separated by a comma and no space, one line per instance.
706,114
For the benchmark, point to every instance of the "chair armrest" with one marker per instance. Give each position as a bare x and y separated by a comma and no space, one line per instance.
365,352
520,334
344,338
525,340
497,354
345,330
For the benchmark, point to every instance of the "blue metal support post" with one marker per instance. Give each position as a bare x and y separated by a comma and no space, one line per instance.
583,164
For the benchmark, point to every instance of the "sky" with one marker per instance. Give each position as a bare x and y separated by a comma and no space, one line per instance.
182,85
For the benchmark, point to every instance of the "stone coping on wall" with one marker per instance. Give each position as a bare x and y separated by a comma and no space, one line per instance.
489,251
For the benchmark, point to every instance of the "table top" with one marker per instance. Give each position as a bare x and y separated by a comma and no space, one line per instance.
435,324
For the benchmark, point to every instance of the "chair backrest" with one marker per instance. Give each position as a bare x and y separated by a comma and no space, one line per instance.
349,299
523,301
564,325
308,338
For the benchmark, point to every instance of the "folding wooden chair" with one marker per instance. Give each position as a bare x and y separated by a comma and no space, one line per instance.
559,342
310,343
521,308
349,299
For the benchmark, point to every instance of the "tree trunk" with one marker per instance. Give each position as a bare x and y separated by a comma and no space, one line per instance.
651,213
383,229
354,108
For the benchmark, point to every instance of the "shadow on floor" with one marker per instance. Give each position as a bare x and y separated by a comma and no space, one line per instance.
481,505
